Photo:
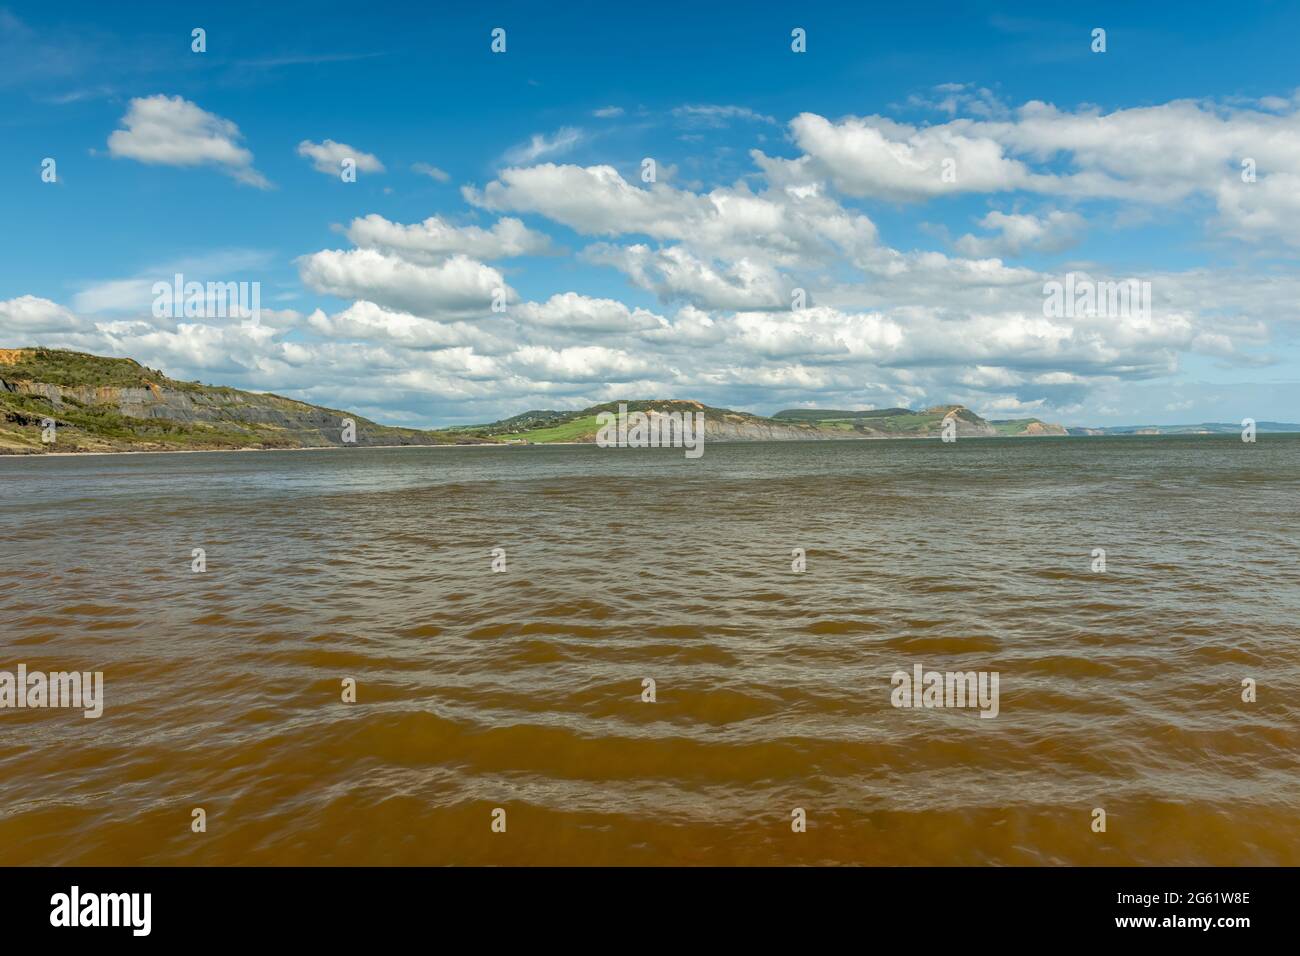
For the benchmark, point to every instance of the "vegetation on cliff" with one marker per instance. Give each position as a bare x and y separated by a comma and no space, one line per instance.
116,404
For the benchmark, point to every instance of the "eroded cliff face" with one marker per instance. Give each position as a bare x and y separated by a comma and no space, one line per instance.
180,416
738,428
746,428
1043,428
722,425
728,429
197,405
968,424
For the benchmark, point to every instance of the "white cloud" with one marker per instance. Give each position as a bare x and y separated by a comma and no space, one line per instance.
435,239
789,225
608,112
561,141
595,200
572,312
135,293
172,131
954,98
328,157
1018,233
877,157
369,322
115,295
1159,155
433,172
718,116
28,314
580,364
674,273
456,286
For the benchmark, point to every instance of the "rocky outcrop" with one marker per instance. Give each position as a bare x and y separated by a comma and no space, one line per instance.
154,412
968,424
1043,428
191,405
741,428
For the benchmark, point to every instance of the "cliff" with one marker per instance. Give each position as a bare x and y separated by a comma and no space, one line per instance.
803,424
112,404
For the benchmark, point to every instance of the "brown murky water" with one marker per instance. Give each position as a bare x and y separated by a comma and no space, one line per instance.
522,690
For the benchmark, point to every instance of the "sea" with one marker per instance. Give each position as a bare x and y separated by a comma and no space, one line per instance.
572,655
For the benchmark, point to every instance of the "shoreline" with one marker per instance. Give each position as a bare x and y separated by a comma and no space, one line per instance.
21,456
217,451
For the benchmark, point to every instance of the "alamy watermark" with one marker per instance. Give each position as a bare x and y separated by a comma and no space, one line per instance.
654,429
36,689
926,689
1080,295
179,299
75,908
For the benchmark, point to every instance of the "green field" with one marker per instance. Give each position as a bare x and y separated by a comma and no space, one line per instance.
1014,426
575,430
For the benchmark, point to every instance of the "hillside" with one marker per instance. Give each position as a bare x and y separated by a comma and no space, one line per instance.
906,423
720,424
116,404
803,424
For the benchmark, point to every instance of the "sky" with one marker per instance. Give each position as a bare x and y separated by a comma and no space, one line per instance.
666,201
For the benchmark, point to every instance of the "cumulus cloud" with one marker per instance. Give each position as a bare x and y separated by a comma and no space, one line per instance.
457,285
573,312
369,322
580,364
27,315
328,157
172,131
431,269
790,225
674,273
877,157
595,200
1159,155
1018,233
435,238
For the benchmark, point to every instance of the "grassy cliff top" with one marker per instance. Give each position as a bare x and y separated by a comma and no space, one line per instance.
836,414
78,369
555,425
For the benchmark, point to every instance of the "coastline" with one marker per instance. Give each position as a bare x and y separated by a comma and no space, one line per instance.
547,444
551,444
212,451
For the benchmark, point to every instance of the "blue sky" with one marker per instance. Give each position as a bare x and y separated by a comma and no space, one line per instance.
775,171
